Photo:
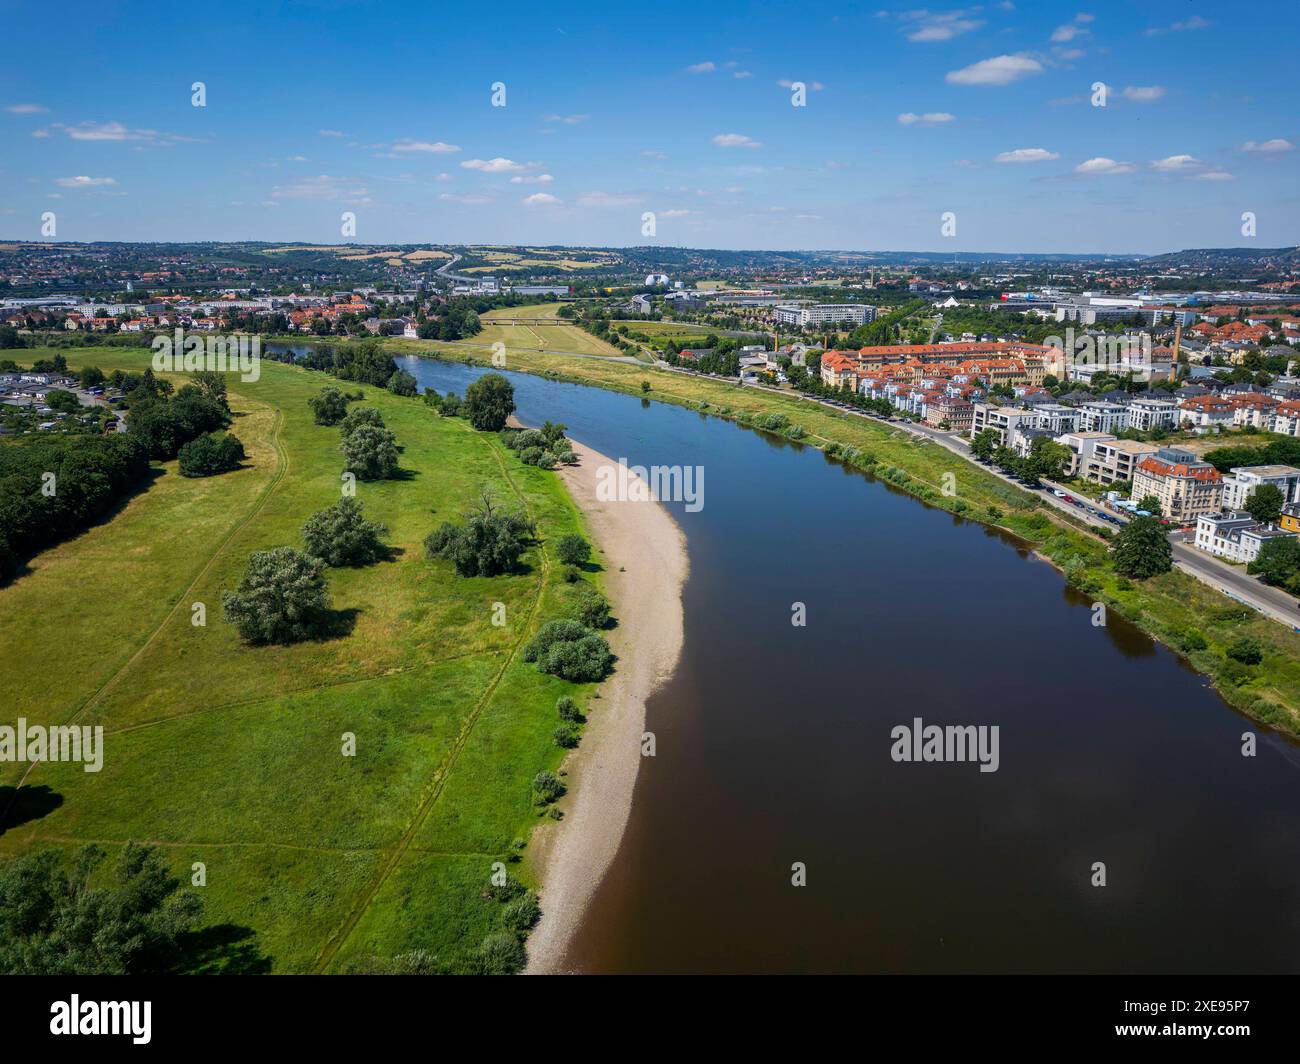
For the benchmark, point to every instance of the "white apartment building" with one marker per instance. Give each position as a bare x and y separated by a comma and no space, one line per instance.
1241,485
1237,537
1081,445
1147,414
823,313
1113,461
1103,417
1005,419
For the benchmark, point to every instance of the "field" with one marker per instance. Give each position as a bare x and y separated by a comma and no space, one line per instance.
1174,608
230,755
539,338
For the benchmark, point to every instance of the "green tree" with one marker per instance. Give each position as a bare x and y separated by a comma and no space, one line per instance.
370,452
212,385
1265,503
1151,504
1049,458
1278,561
572,549
339,535
329,407
984,443
209,454
64,402
402,383
1141,549
281,598
489,542
489,401
570,650
131,921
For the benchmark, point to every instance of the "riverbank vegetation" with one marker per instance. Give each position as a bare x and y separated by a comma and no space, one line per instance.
348,790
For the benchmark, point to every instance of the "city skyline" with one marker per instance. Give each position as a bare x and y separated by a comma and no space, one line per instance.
986,114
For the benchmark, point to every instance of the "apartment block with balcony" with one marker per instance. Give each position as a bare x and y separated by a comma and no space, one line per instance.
1185,486
1245,480
1113,461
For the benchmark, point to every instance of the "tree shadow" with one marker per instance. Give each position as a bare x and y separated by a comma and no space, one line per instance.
19,805
224,949
335,624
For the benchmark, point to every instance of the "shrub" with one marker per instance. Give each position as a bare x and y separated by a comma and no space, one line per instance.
370,452
566,735
362,415
523,913
591,608
329,407
571,573
547,787
212,453
567,708
572,549
531,455
281,597
402,383
488,543
339,535
501,953
450,405
570,650
1191,640
1246,650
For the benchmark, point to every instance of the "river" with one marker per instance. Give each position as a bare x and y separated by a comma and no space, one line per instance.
774,745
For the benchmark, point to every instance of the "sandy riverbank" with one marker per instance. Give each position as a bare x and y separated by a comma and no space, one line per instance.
644,554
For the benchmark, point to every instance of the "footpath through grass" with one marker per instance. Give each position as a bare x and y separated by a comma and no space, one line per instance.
232,756
1175,608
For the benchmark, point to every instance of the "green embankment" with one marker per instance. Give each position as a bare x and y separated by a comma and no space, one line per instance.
231,755
1175,608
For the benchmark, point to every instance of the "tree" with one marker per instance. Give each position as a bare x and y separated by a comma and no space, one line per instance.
570,650
370,452
1246,650
1151,504
339,535
281,599
212,385
489,401
62,401
984,443
209,454
329,407
91,377
53,921
488,543
1265,503
1141,549
1049,458
362,415
402,383
573,549
1278,561
591,608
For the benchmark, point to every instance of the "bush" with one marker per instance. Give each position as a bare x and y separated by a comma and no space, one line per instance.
523,913
566,735
488,543
329,407
402,383
591,608
1191,640
570,650
281,599
450,405
370,452
212,453
567,708
501,954
572,549
489,401
362,415
339,535
571,573
547,787
1246,650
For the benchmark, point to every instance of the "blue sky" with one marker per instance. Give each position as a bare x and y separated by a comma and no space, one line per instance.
682,109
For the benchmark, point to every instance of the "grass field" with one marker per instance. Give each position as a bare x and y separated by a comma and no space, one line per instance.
231,755
540,338
1173,607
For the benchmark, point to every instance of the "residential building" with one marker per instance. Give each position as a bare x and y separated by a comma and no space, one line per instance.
1103,417
1245,480
1004,419
1114,461
1185,486
823,313
1148,414
1238,537
1290,519
1081,446
957,412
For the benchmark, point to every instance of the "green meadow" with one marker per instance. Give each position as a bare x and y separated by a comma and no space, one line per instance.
232,756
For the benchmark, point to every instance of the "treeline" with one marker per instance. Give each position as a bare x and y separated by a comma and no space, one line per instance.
1284,450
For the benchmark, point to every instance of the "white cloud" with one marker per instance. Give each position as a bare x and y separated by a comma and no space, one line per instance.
532,179
1000,70
1268,147
742,74
84,182
706,67
606,199
789,83
26,109
1068,55
735,140
1143,94
324,187
927,27
498,165
332,133
468,200
1176,164
654,154
1026,155
568,120
114,131
930,118
1193,23
675,213
1065,34
407,145
1214,175
541,199
1103,166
